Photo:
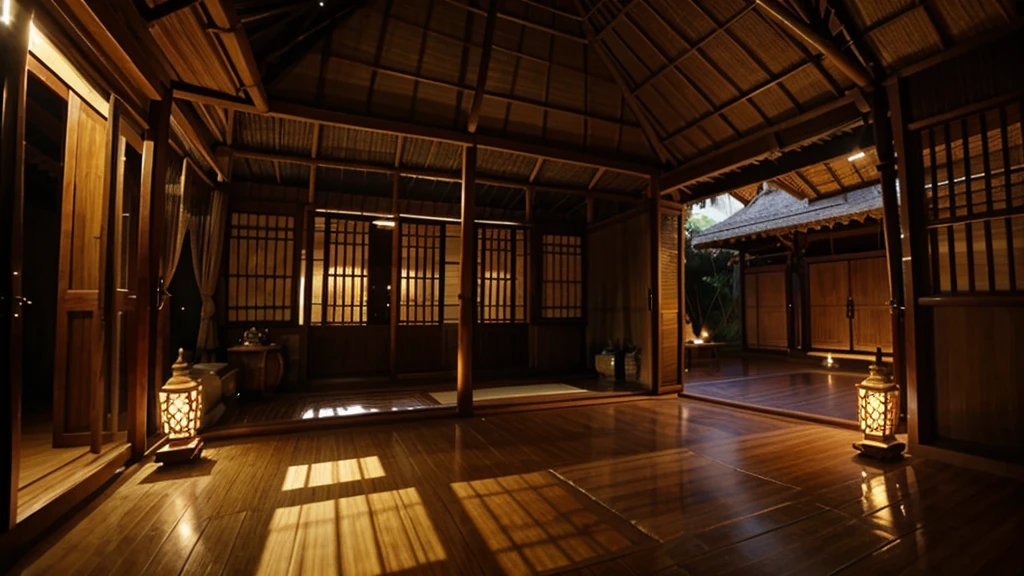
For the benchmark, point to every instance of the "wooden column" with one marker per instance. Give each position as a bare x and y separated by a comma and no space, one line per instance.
917,321
13,65
891,224
743,301
654,291
467,283
155,155
396,254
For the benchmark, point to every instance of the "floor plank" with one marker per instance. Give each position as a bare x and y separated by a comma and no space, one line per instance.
659,486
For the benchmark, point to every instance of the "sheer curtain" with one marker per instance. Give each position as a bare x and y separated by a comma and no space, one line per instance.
206,231
176,221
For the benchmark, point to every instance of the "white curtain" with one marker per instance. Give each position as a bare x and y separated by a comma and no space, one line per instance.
176,221
206,231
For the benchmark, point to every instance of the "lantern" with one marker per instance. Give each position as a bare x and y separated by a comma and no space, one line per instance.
878,410
181,407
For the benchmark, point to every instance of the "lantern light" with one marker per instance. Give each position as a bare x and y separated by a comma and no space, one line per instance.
181,407
829,362
878,410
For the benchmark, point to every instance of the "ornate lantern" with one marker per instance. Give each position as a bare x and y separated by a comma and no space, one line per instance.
878,409
181,407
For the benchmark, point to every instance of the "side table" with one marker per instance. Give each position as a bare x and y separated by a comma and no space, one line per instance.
261,367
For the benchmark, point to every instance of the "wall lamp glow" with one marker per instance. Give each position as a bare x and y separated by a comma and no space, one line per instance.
856,156
5,12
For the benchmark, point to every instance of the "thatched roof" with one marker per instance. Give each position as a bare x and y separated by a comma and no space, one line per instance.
774,212
584,95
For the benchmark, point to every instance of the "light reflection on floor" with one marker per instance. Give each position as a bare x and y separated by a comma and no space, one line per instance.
366,535
533,523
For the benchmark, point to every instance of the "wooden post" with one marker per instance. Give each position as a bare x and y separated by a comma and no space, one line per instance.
891,223
917,321
467,283
654,292
396,254
149,342
13,67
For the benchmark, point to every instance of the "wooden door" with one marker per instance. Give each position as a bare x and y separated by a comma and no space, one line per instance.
750,309
872,320
772,324
78,350
671,268
829,292
125,277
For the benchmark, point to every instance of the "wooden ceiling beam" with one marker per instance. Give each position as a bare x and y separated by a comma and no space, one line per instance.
625,9
770,141
441,175
302,112
839,147
552,9
300,44
645,123
482,68
520,21
468,88
852,69
236,44
154,14
189,126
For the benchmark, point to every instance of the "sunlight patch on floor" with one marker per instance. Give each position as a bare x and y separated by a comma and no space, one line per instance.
327,473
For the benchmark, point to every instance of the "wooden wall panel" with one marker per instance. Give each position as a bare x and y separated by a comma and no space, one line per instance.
557,347
979,371
421,348
772,325
498,346
336,351
79,355
618,270
872,320
828,290
669,293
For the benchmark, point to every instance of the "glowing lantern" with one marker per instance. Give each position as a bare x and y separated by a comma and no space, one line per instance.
878,410
181,407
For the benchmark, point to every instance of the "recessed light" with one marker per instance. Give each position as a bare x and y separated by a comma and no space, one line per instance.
856,156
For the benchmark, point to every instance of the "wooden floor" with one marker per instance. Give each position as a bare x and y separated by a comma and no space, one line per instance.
653,486
819,393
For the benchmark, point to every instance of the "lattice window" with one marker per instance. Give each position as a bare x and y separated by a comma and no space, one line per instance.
561,277
974,181
420,291
452,254
261,251
501,273
340,271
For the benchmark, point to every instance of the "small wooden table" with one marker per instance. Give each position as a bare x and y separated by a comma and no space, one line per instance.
261,367
712,347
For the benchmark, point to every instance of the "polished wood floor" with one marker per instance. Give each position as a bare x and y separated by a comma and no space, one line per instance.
818,393
653,486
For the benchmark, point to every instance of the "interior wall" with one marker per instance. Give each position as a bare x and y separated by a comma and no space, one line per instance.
617,287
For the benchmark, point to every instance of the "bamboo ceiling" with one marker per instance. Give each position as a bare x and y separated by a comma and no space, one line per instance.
660,83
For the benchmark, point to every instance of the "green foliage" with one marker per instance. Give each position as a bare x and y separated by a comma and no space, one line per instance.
711,287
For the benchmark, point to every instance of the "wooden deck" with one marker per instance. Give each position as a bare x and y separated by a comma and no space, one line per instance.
652,486
816,393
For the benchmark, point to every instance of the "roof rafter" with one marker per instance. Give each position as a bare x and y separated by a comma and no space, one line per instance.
631,101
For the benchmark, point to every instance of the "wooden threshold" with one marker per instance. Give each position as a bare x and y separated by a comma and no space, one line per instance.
867,356
50,500
817,419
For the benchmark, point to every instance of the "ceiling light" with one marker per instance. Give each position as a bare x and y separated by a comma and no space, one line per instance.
856,156
384,223
5,12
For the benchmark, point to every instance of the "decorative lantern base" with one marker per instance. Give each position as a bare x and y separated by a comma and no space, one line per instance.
885,453
180,451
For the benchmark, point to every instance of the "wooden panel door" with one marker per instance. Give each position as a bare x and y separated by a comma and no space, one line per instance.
750,309
670,300
829,291
78,352
872,320
772,322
